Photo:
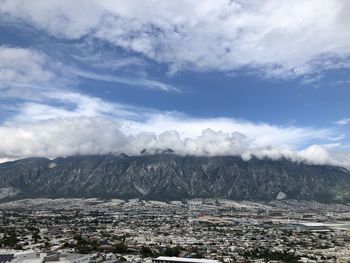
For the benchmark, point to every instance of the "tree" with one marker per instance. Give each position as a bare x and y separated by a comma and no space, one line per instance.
120,248
10,239
172,251
36,237
146,252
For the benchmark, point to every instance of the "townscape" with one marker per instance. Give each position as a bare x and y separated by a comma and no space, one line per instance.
94,230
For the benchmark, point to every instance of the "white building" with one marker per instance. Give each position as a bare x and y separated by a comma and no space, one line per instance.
30,256
183,260
15,256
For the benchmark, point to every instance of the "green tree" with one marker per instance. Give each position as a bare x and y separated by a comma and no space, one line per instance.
36,237
146,252
10,239
172,251
120,248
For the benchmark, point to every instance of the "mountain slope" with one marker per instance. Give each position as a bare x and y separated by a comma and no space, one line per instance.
168,176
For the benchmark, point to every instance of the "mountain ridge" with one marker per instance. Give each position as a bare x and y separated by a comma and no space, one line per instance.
168,176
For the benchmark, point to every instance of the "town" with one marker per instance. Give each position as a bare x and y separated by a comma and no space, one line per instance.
94,230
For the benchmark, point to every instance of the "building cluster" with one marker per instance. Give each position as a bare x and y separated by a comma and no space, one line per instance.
92,230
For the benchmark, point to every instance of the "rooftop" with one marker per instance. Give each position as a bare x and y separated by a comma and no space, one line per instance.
190,260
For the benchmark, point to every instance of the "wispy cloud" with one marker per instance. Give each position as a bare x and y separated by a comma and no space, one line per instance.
109,61
343,122
56,104
24,69
131,81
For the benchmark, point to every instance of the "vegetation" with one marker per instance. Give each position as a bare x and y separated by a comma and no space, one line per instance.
146,252
269,255
172,251
120,248
9,239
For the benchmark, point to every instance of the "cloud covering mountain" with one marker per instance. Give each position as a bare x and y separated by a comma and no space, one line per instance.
97,135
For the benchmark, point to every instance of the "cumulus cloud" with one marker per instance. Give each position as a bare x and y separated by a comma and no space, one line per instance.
97,135
278,38
263,134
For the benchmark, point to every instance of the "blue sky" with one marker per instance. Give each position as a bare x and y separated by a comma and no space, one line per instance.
268,79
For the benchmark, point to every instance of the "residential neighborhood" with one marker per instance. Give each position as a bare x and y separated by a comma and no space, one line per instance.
94,230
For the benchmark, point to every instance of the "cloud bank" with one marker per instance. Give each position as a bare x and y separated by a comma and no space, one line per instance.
276,38
100,135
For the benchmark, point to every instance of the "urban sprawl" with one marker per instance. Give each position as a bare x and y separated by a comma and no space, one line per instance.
199,230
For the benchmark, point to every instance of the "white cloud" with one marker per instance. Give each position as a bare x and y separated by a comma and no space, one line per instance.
280,38
98,135
343,122
27,74
262,134
316,154
22,67
131,81
60,137
80,124
136,120
66,104
106,61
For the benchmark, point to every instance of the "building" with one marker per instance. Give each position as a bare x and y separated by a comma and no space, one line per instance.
183,260
14,256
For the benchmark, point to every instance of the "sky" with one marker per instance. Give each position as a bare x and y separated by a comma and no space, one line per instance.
268,79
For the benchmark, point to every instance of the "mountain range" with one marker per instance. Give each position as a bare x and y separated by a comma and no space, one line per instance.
167,176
